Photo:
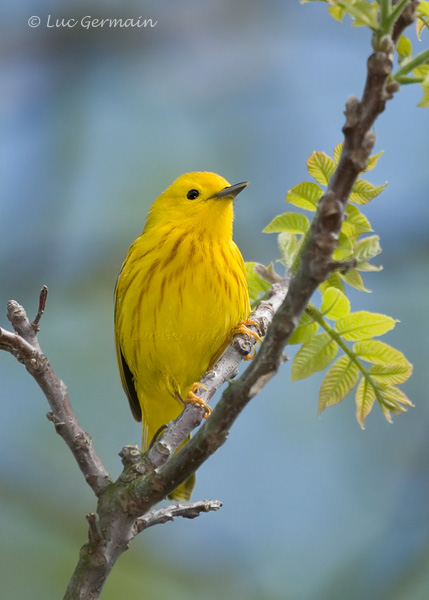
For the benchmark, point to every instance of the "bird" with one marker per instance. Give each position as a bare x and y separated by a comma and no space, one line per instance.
180,295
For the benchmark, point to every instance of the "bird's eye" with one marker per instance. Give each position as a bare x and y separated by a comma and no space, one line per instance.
192,194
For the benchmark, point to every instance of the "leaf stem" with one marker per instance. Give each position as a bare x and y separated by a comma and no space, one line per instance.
386,10
396,12
405,80
420,59
317,316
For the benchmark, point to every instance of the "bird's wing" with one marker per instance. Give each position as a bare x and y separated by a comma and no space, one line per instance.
127,378
128,384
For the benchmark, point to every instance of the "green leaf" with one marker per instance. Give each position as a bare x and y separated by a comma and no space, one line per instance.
354,279
288,245
362,12
423,9
255,283
365,396
386,412
321,167
337,12
372,161
367,248
363,191
339,380
421,23
404,47
422,71
305,195
306,330
335,304
344,249
424,102
365,13
291,222
313,356
366,266
356,223
380,353
337,152
391,374
334,280
362,325
392,399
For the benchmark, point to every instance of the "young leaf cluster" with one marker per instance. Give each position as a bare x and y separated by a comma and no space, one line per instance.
361,12
422,17
293,227
380,16
415,69
324,332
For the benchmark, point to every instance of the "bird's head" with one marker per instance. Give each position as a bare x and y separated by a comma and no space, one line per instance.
199,200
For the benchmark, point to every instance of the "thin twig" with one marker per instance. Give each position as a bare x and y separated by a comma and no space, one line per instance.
42,305
24,345
187,510
95,534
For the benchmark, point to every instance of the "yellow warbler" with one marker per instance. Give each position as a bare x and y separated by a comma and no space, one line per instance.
180,292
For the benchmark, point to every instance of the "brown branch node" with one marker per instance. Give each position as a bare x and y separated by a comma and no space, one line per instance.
352,113
130,454
94,532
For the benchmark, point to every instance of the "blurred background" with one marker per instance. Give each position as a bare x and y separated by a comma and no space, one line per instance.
95,123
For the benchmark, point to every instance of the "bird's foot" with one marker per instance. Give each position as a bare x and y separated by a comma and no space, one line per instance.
242,327
194,399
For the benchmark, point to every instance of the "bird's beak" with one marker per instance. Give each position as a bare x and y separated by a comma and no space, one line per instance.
230,192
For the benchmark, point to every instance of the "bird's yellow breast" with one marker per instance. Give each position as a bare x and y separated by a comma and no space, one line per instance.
179,295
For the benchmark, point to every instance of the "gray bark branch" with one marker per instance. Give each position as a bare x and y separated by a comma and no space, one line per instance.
23,344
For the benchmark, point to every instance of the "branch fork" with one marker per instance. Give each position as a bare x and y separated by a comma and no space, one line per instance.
125,507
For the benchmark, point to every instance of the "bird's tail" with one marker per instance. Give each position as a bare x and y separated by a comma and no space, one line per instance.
183,492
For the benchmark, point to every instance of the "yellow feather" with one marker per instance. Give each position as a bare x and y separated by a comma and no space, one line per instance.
180,292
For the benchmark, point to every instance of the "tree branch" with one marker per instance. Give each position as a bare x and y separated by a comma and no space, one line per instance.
407,17
149,478
124,507
187,510
24,345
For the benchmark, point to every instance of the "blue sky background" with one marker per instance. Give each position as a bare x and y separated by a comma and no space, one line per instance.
94,125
